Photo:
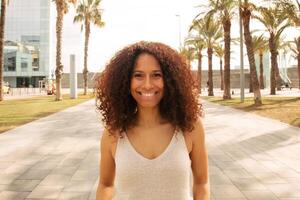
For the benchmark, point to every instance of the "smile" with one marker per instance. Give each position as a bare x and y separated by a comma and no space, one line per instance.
147,94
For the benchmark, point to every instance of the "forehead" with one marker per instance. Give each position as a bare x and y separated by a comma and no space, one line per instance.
146,62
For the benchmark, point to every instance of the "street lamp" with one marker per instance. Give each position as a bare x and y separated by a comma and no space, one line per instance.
242,75
179,31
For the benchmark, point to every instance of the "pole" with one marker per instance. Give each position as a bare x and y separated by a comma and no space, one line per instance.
179,31
242,75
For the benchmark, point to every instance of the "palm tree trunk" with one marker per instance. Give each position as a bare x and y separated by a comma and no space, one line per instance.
261,72
59,66
210,72
199,71
250,82
86,46
298,58
246,14
221,74
278,77
273,64
226,27
2,26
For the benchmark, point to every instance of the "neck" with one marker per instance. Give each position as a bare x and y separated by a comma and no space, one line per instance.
148,117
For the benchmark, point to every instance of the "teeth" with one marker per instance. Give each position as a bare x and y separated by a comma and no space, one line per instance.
148,94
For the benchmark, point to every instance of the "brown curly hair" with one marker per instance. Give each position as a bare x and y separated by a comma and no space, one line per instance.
179,104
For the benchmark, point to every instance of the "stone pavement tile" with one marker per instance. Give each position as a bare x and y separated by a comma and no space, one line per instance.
64,170
23,185
228,165
219,180
92,195
53,158
55,179
237,173
79,186
47,165
272,165
10,195
73,196
8,178
3,187
17,169
252,165
29,160
214,170
81,175
226,192
259,195
36,174
4,165
220,157
248,184
262,157
284,190
70,162
45,192
268,178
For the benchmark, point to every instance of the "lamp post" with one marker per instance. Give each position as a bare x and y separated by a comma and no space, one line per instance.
179,31
242,75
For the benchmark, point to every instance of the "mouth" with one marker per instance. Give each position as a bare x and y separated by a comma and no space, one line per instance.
147,94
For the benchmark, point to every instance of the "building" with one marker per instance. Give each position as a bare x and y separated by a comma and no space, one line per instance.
27,46
30,41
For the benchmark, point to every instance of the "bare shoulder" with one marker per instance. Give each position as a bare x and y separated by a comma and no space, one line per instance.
109,141
195,136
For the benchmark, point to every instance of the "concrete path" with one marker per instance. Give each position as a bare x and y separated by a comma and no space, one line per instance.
57,157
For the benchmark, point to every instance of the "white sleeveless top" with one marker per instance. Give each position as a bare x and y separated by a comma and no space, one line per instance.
166,177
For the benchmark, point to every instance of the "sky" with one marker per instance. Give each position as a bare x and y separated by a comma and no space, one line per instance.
134,20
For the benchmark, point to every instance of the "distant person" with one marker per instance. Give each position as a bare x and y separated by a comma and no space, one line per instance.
153,131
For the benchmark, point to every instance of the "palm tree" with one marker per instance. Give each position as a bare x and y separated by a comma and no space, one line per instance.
246,9
88,11
275,22
219,52
295,47
260,46
62,7
209,29
199,44
2,25
188,52
225,11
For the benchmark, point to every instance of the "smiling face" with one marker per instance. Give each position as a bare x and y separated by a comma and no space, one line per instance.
147,85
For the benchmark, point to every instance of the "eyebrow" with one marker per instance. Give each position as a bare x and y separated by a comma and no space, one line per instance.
143,72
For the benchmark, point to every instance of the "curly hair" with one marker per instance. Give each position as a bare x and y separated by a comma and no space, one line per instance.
179,104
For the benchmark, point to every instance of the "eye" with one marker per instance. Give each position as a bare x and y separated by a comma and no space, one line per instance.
137,75
157,75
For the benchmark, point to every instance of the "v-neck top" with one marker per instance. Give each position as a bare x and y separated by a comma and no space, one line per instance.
166,177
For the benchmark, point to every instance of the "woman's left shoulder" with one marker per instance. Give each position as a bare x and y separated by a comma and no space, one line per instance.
195,135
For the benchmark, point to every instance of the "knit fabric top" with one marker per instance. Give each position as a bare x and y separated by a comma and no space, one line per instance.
166,177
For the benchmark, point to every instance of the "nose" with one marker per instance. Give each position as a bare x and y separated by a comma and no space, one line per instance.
148,83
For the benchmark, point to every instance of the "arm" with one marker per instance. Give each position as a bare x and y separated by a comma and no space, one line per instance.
199,163
105,190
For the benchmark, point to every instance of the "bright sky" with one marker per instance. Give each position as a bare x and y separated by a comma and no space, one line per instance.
134,20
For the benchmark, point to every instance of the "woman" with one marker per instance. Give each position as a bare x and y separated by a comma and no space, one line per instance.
154,134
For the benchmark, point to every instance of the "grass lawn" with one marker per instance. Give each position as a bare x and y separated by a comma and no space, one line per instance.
20,111
285,109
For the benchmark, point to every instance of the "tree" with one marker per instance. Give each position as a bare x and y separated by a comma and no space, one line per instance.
199,44
219,52
246,9
188,52
275,22
2,27
260,46
209,29
295,47
88,12
62,7
225,11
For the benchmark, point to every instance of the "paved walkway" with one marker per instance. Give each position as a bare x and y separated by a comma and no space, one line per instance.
57,157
